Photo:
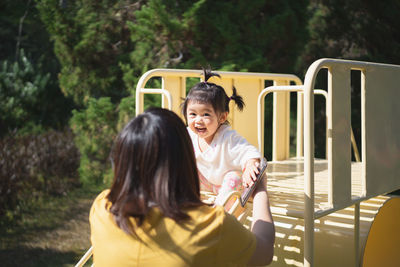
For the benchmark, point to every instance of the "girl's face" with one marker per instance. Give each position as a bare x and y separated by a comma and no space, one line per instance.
203,120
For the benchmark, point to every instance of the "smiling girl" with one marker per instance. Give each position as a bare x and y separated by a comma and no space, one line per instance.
225,160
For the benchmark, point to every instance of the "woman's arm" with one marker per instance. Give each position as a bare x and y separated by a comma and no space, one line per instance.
262,227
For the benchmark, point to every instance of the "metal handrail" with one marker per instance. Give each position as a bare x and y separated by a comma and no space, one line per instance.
198,73
85,258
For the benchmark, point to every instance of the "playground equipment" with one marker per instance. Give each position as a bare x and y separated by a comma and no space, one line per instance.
327,212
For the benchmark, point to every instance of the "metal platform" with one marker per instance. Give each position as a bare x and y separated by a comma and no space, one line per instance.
285,185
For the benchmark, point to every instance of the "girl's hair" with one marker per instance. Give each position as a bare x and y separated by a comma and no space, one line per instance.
206,92
154,165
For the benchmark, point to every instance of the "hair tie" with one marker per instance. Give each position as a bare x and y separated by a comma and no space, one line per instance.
230,98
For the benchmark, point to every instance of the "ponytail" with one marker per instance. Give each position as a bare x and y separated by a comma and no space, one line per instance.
237,98
208,74
208,92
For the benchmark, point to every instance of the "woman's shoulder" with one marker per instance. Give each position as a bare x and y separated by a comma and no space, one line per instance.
232,237
205,218
102,195
206,212
101,199
216,216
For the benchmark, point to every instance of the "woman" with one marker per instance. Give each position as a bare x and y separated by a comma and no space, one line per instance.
153,216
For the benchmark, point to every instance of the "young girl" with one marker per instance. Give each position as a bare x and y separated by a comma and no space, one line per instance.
225,160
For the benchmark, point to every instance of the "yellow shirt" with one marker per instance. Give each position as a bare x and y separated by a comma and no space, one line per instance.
209,238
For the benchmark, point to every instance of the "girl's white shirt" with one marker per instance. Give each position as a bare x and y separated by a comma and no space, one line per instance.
228,151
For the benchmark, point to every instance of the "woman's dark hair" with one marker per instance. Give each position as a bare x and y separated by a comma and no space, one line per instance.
154,165
206,92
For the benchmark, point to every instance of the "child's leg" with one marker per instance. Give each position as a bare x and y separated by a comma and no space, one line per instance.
232,182
206,186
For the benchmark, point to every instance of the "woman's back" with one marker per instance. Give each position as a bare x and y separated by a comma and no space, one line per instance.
209,238
153,215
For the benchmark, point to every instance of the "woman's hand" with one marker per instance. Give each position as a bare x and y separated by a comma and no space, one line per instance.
250,172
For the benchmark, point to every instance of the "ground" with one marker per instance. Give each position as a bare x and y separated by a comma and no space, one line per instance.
56,234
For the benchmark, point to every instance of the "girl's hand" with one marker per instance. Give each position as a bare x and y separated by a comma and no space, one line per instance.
250,172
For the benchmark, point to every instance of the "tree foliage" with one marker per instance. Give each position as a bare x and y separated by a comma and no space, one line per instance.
253,36
27,61
94,129
91,41
20,87
101,48
104,48
234,35
360,30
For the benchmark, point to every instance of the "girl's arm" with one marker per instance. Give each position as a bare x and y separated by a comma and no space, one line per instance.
242,153
262,227
250,172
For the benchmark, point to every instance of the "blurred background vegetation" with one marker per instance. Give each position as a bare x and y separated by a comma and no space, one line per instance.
68,70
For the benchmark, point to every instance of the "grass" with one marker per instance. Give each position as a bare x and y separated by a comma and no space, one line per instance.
50,232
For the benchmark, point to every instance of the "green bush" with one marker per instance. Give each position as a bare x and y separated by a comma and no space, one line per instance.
32,166
94,128
126,111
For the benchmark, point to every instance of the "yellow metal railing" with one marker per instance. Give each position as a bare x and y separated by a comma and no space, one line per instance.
248,84
379,91
85,258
